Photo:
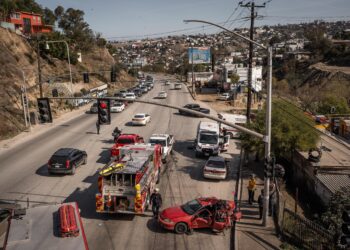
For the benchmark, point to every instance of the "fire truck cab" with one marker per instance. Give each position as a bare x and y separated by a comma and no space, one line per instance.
125,185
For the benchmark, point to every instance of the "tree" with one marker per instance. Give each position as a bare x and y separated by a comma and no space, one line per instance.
332,218
49,17
234,78
291,130
333,104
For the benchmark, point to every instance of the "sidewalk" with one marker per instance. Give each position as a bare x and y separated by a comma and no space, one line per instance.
250,234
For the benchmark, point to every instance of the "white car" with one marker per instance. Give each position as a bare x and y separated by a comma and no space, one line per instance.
224,96
167,83
162,95
215,168
141,119
177,86
130,96
117,107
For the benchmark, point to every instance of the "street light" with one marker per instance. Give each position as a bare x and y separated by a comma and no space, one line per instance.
70,68
267,137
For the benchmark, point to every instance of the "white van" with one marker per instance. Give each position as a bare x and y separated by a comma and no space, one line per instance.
233,118
208,138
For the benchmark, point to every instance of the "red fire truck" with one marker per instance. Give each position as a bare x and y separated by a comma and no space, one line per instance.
125,185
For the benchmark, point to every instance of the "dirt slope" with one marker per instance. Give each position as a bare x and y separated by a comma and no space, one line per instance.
17,58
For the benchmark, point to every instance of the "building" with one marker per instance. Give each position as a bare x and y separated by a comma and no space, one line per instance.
28,23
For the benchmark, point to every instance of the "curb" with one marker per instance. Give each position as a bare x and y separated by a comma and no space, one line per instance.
188,88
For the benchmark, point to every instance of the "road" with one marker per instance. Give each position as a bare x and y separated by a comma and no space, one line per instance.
23,175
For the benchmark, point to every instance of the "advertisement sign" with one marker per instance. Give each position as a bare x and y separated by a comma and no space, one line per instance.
199,55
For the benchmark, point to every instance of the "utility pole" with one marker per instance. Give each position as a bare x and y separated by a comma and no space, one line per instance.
39,67
253,15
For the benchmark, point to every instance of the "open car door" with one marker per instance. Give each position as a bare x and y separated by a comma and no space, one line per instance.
202,219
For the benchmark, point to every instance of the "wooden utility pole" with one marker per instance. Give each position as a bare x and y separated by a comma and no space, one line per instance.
253,15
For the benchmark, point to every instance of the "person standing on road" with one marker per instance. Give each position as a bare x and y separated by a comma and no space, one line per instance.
156,202
261,204
98,127
251,189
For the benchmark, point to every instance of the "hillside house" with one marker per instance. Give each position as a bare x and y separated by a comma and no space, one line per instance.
29,23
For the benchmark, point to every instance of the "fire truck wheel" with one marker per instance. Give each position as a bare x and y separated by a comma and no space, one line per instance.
181,228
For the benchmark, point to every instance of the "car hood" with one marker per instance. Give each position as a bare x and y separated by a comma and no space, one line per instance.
173,213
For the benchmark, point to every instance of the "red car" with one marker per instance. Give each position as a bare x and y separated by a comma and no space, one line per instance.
200,213
125,139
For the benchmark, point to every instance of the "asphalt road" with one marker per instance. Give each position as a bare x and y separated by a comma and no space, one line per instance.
23,175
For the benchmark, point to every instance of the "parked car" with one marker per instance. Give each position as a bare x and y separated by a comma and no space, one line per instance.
138,92
66,160
215,168
144,89
162,95
94,108
195,107
148,87
167,82
117,107
130,96
224,97
141,119
208,212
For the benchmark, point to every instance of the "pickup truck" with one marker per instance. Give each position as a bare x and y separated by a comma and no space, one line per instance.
195,107
122,140
166,141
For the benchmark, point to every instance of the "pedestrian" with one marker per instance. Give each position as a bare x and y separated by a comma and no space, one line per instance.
261,204
156,202
98,127
251,189
272,199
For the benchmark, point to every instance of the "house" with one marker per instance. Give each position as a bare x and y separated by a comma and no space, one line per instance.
29,23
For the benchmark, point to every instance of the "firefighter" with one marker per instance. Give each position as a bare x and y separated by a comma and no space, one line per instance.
156,202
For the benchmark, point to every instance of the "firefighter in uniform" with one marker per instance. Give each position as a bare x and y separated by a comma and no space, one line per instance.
156,202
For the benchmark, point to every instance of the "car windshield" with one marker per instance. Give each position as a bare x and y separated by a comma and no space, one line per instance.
208,138
157,141
215,164
125,141
139,116
191,207
130,95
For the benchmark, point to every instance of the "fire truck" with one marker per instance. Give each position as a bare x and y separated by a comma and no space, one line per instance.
125,185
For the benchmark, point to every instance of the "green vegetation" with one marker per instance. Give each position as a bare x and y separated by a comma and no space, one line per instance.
332,217
291,130
333,104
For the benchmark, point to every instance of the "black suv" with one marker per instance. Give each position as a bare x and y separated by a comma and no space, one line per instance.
66,160
194,107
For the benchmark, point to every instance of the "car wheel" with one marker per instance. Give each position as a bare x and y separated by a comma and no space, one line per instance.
181,228
85,160
73,170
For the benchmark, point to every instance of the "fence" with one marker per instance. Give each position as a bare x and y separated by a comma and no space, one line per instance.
305,233
298,230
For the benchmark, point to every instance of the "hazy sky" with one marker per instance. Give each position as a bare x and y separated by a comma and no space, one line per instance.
117,19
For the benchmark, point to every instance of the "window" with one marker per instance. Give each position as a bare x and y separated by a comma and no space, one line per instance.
15,16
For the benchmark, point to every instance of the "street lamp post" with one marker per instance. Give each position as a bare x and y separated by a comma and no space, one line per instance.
267,137
193,92
70,68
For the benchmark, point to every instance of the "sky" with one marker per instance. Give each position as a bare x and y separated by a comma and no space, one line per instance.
137,19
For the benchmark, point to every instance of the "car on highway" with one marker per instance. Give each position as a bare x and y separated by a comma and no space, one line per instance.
94,108
167,82
177,86
144,89
117,107
210,212
123,92
66,160
149,87
195,107
137,92
224,97
215,168
130,96
162,95
141,119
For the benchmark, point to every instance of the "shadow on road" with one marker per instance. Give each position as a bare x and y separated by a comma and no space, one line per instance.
43,171
90,133
154,226
128,124
104,156
184,148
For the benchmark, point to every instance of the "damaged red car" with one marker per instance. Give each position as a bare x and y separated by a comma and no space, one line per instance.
209,212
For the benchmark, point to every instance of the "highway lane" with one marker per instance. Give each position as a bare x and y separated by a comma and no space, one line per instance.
23,174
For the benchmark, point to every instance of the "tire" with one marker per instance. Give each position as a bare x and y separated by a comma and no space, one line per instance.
73,170
181,228
85,160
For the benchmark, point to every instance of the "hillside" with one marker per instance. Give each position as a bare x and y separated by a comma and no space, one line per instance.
18,58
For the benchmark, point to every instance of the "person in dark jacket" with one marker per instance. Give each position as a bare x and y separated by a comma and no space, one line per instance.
98,127
156,202
261,204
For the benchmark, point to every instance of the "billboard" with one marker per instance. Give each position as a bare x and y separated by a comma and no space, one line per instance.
199,55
